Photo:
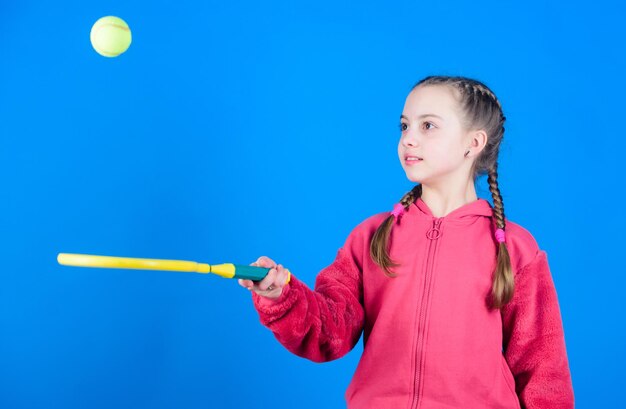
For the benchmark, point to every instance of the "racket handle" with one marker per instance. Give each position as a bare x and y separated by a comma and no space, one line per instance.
229,270
250,272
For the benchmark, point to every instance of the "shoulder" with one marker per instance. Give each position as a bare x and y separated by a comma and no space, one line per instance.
522,246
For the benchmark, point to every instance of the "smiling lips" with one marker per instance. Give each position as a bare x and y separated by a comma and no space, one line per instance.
411,160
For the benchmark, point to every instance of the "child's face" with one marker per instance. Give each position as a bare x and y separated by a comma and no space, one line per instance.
432,131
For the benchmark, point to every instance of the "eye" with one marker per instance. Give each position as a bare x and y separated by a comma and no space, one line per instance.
428,125
403,127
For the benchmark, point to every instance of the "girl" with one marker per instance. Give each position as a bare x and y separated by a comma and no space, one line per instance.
456,303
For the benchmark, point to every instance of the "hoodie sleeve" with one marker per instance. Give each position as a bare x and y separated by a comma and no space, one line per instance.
534,342
321,324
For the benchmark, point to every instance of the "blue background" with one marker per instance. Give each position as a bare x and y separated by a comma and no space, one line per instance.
231,130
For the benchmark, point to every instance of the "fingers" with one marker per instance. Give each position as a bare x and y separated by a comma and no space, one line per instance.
271,285
249,284
269,281
264,261
282,276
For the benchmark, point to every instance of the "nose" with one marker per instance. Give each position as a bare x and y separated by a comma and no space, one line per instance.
409,140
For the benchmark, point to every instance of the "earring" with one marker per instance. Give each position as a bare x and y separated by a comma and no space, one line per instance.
466,153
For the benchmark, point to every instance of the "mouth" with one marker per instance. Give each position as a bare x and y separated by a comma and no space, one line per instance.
412,160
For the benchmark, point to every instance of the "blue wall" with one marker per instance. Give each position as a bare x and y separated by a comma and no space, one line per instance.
231,130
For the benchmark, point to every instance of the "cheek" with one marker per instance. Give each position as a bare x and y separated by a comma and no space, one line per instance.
442,155
450,145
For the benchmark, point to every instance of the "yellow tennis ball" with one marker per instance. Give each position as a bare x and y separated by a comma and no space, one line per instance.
110,36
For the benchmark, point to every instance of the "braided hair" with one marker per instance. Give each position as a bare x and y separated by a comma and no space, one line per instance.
482,110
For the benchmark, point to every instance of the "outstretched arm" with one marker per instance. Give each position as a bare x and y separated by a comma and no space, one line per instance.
321,324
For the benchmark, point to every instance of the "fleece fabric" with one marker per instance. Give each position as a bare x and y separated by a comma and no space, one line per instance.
430,338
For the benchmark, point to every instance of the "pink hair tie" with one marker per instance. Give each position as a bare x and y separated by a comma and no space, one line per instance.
500,236
398,210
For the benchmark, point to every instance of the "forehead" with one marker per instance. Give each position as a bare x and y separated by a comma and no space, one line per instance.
431,99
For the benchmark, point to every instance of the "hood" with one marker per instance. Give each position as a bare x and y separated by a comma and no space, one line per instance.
480,207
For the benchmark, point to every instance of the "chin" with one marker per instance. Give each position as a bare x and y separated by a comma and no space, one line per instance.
414,178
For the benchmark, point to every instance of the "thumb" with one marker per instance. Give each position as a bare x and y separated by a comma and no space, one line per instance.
264,261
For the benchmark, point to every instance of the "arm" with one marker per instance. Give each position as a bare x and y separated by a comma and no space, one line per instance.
320,325
534,342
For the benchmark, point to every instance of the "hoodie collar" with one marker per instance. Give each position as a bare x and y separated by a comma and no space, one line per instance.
480,207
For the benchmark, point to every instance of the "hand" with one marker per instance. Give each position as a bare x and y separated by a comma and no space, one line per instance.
272,285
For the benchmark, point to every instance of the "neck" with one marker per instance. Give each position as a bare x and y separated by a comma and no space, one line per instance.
441,201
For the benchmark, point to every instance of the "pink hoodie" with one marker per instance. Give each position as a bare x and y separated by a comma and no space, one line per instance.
430,340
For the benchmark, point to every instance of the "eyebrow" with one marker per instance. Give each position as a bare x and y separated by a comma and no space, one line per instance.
423,116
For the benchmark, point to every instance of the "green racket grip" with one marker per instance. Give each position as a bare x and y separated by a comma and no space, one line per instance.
253,273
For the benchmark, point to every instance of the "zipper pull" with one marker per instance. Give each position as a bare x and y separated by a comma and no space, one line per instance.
435,232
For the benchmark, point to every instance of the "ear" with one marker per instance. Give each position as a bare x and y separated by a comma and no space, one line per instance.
476,142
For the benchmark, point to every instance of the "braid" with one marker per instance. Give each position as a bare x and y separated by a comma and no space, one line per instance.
410,197
471,91
503,282
498,206
380,240
479,88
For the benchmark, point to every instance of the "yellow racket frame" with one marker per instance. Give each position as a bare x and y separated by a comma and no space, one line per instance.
226,270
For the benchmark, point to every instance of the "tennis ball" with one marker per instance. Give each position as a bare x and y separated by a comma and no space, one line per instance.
110,36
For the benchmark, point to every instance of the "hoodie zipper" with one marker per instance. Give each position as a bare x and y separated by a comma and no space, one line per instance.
433,234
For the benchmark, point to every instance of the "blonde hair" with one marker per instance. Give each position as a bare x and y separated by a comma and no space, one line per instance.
481,110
